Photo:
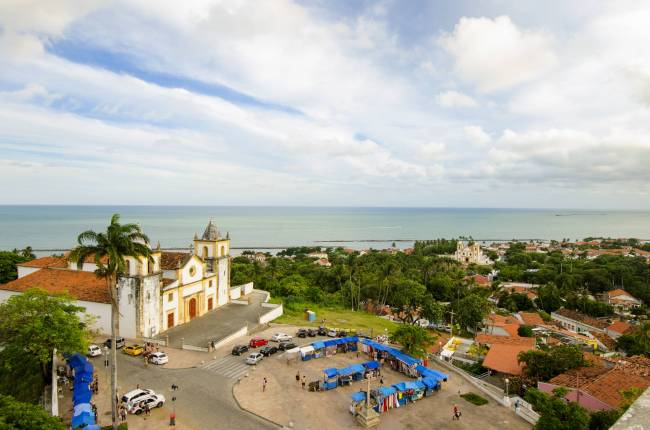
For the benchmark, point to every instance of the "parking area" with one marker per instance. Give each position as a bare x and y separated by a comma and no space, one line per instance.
286,403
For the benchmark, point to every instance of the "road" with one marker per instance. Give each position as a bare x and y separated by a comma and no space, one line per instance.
204,399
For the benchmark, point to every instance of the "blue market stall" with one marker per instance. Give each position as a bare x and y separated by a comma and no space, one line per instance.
351,373
331,379
83,416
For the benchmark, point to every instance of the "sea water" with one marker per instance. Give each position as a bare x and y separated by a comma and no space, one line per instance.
56,227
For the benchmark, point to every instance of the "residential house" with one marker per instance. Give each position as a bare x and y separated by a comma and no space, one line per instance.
621,300
530,319
479,280
578,322
503,353
618,329
598,388
499,325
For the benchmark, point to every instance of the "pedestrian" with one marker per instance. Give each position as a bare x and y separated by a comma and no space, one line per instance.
264,385
457,413
297,377
304,381
172,419
516,405
147,410
381,380
357,353
123,412
146,362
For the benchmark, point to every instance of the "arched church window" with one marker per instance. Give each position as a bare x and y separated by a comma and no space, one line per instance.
223,251
205,252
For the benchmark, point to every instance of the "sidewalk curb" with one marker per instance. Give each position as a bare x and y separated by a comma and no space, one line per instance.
232,391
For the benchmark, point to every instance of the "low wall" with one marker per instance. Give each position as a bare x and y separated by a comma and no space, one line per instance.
194,348
267,295
247,288
239,302
235,293
239,333
276,312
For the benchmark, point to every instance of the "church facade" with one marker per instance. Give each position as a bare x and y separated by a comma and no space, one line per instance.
170,289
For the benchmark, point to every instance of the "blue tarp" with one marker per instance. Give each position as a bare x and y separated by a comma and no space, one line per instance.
329,342
359,396
371,365
431,382
319,344
77,360
426,372
386,391
82,420
355,368
81,396
405,358
82,407
331,372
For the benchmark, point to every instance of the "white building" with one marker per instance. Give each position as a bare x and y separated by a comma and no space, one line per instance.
170,289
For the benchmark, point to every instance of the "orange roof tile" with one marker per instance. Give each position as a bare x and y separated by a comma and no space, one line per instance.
604,339
80,285
579,377
585,319
490,339
503,358
173,260
531,318
60,262
607,388
620,327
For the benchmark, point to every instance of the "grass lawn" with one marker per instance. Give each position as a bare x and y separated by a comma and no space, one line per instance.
474,398
337,318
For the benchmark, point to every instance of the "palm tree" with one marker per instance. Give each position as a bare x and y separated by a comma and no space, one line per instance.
108,251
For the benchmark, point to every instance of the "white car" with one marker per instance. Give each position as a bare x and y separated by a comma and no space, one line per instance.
159,358
153,400
281,337
134,396
254,358
332,332
94,351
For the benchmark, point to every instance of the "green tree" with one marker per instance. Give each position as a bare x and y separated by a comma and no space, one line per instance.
108,251
15,415
33,324
525,331
413,338
471,310
8,262
555,412
543,365
637,342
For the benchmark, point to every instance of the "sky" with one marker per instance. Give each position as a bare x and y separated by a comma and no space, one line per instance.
484,103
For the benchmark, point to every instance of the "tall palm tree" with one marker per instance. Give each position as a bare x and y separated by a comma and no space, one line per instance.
108,251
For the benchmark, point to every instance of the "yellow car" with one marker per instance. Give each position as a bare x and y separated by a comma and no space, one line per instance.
133,350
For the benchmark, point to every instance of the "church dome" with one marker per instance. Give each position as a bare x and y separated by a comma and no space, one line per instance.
211,232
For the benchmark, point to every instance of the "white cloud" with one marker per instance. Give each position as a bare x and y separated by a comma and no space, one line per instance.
477,135
455,99
495,54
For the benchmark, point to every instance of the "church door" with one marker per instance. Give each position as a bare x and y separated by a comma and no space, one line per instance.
209,303
170,320
192,308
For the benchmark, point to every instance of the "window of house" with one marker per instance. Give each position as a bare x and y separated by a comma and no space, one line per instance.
192,271
170,297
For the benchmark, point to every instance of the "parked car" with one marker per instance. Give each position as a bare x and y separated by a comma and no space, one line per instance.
119,342
312,332
239,349
281,337
268,350
332,332
257,341
302,332
285,346
153,400
254,358
322,331
94,351
158,358
134,396
133,350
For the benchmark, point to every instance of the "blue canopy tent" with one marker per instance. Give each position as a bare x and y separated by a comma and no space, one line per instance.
405,358
82,420
82,407
359,396
426,372
81,396
77,360
83,416
432,385
331,378
384,396
371,365
356,371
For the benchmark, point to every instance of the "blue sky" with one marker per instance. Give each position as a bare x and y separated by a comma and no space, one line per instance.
419,103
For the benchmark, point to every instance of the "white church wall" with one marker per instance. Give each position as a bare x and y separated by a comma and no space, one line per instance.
151,306
223,281
127,306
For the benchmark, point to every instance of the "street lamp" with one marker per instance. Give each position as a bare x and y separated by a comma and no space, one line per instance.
507,381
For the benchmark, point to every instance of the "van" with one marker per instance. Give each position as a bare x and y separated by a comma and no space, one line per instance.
119,342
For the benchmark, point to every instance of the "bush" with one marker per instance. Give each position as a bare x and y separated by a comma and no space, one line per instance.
122,426
525,331
474,398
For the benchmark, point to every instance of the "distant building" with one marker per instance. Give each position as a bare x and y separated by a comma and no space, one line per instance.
503,354
618,329
621,300
324,262
470,253
578,322
498,325
480,280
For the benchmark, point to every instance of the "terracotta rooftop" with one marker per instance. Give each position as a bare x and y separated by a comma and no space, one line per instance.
80,285
619,327
604,339
531,318
578,316
479,279
490,339
504,358
60,262
510,324
167,281
607,388
173,260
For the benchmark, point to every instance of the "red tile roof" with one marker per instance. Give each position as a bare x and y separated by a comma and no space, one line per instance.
173,260
579,377
531,318
607,388
60,262
604,339
80,285
619,327
503,358
489,339
585,319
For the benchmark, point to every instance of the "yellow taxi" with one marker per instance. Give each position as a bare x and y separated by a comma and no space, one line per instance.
133,350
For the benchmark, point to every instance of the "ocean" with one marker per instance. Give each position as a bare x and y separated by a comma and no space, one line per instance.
56,227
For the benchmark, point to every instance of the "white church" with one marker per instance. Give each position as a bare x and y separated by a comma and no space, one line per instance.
171,289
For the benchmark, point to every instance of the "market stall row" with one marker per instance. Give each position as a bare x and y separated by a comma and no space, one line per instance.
83,416
338,377
327,348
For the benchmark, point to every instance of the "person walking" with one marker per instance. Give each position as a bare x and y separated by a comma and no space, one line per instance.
123,413
264,385
304,381
147,410
172,419
457,413
298,377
